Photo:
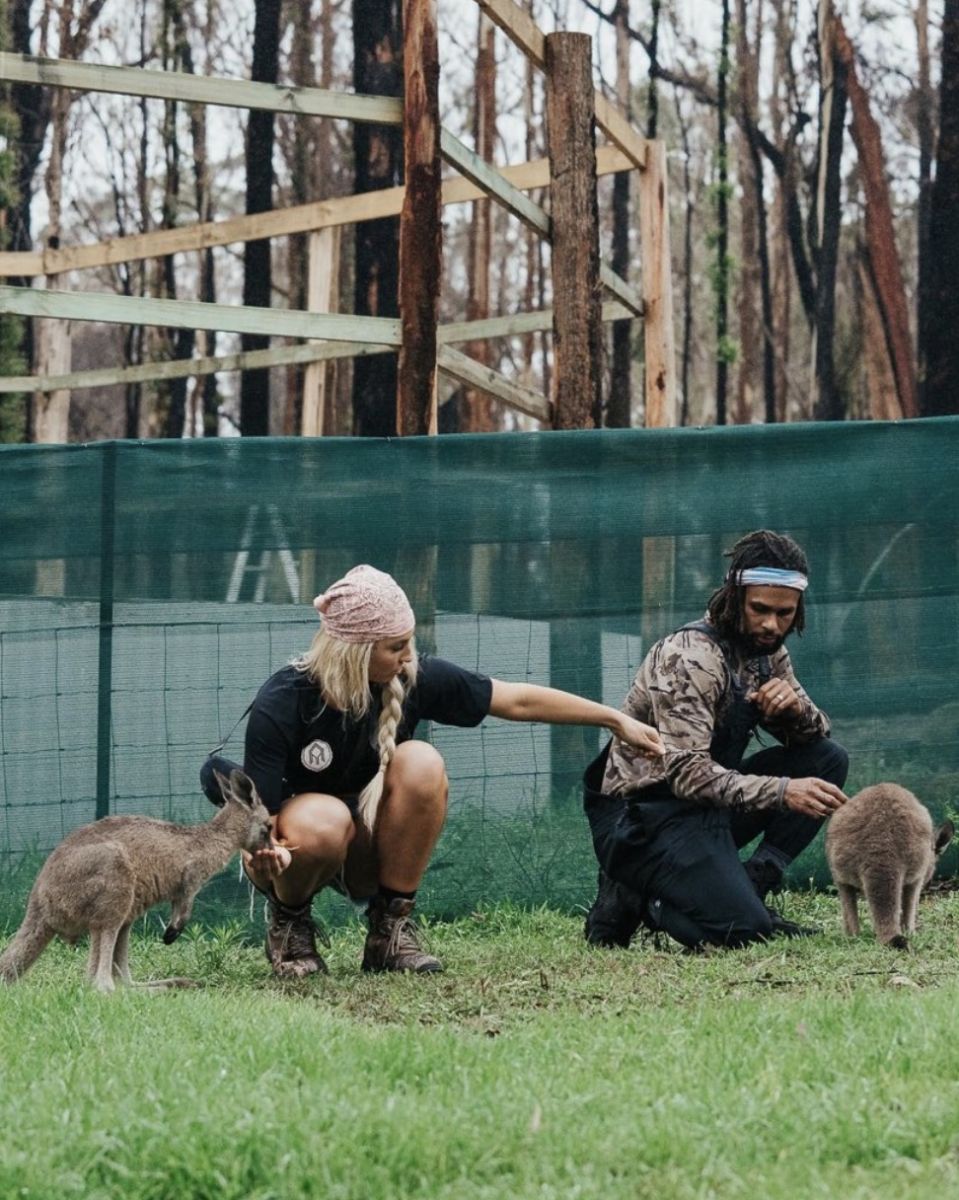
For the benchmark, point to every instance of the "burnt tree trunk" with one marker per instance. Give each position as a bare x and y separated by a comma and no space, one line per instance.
747,87
577,314
420,227
828,403
723,347
619,403
942,346
257,274
378,154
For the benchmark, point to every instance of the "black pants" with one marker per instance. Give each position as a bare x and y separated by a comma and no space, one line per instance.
682,860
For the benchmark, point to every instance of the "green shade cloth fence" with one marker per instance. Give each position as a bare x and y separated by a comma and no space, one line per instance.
148,588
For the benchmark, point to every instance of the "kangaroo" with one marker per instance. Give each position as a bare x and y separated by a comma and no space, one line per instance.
103,876
882,843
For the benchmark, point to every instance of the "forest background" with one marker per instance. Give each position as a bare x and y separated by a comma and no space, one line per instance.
813,155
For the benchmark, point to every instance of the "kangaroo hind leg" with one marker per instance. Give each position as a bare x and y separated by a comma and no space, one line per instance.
100,967
849,898
884,897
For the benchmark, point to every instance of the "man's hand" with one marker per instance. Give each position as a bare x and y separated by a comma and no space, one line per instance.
643,738
813,797
775,700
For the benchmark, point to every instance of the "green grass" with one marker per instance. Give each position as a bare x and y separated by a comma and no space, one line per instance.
534,1067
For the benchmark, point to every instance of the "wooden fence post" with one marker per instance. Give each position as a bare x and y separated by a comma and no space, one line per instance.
420,228
577,315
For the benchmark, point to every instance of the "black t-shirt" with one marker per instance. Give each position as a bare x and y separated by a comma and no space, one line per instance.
295,743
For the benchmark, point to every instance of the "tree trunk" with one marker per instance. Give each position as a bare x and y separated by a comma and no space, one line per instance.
883,398
688,209
619,404
420,227
33,104
477,414
724,351
884,264
257,268
781,283
827,403
749,358
378,152
925,107
305,166
577,321
942,346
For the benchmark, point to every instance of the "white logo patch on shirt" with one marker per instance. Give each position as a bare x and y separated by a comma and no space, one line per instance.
316,756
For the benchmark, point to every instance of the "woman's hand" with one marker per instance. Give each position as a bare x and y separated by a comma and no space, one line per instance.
643,738
271,862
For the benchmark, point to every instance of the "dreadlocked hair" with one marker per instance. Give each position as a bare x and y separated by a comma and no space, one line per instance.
761,548
342,670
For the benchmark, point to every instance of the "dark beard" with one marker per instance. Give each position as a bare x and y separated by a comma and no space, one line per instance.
751,648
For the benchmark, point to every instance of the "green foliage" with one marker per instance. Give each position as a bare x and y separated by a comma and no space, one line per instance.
534,1067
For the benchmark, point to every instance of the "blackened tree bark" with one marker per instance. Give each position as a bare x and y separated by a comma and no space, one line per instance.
828,402
32,104
721,266
257,276
619,404
941,393
378,154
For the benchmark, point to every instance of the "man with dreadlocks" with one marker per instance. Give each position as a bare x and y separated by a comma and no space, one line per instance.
667,831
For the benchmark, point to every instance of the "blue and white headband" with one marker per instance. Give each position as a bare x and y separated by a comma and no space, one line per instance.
772,577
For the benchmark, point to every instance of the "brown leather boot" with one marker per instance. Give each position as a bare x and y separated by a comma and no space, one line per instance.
392,943
291,941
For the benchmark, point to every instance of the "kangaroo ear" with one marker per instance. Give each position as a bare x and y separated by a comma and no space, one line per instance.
242,789
223,783
944,835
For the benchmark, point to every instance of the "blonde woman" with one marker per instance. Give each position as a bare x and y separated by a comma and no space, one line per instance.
359,803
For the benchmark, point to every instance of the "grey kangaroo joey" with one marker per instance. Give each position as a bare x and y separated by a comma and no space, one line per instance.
882,844
103,876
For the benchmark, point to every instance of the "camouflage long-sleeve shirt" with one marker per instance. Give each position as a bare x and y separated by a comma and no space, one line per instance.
683,688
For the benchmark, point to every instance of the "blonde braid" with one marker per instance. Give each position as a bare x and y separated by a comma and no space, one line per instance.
393,694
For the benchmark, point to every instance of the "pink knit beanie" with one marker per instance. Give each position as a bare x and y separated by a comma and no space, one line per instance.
365,606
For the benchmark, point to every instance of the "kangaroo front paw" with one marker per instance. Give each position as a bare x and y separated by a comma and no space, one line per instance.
171,933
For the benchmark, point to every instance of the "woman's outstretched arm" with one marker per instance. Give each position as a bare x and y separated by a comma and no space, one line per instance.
530,702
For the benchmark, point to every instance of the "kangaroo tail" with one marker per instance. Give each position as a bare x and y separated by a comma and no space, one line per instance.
28,943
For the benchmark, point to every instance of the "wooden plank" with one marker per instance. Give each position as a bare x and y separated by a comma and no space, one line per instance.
657,289
282,356
621,289
192,314
185,368
322,290
515,325
474,374
523,31
301,218
199,89
492,182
